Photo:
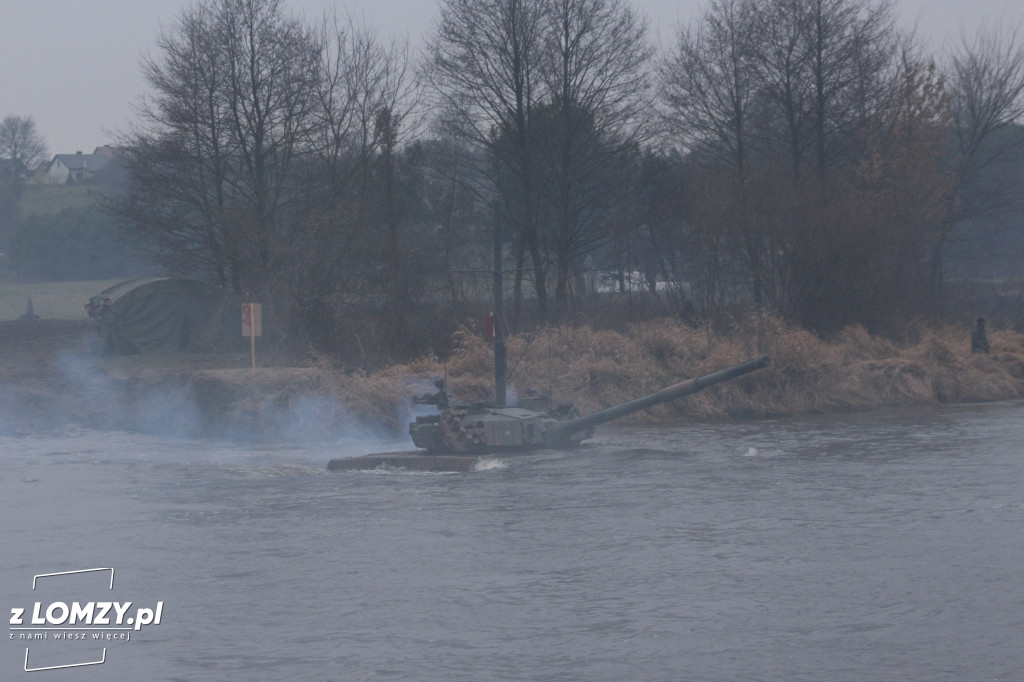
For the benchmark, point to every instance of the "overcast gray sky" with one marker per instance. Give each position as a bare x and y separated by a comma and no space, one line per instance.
73,65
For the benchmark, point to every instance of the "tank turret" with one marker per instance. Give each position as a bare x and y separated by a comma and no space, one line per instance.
461,432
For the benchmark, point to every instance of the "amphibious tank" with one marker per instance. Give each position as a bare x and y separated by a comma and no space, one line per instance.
456,437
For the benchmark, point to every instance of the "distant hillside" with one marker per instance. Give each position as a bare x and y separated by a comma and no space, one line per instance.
46,200
50,300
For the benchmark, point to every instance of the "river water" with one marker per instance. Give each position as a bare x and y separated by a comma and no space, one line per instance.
872,547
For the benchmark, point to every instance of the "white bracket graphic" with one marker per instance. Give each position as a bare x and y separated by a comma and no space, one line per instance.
70,665
84,570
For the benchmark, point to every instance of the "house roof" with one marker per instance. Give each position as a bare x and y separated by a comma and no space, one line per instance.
107,151
79,161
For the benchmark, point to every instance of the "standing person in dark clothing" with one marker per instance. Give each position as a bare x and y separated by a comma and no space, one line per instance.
979,340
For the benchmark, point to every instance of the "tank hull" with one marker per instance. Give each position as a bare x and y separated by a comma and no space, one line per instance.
483,430
421,460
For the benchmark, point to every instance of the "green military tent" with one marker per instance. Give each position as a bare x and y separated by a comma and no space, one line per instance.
162,315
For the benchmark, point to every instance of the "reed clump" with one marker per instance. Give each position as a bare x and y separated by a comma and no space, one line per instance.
594,369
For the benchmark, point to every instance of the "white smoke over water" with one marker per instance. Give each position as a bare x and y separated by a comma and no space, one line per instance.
197,406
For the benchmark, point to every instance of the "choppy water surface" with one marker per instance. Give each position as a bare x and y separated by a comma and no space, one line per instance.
877,547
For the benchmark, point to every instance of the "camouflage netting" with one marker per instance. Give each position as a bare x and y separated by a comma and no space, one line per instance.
163,315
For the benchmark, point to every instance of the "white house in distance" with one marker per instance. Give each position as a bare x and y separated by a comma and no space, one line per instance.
77,168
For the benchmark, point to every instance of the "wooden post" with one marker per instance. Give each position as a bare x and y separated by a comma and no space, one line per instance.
252,326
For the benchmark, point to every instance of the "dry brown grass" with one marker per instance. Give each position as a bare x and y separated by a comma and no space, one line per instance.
597,368
591,368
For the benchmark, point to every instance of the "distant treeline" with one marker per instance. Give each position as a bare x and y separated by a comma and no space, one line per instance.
807,158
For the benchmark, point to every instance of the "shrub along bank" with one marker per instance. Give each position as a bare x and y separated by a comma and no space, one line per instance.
594,369
218,395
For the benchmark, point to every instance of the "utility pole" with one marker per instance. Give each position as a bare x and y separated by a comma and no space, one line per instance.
500,363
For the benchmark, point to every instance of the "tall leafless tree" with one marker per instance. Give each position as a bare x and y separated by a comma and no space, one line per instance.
710,84
986,73
20,141
823,63
213,187
361,75
366,99
180,197
272,72
484,65
711,91
210,166
265,156
595,69
211,181
786,109
22,149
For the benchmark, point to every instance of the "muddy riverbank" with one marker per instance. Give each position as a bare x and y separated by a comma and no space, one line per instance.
50,380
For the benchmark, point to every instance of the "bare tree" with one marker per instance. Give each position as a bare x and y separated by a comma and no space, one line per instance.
710,84
268,157
361,75
22,149
484,64
212,185
20,141
816,149
366,102
894,210
987,81
180,197
830,69
595,59
986,76
823,67
272,72
459,214
711,91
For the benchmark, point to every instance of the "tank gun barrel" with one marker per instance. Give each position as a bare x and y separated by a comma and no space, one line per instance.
565,430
